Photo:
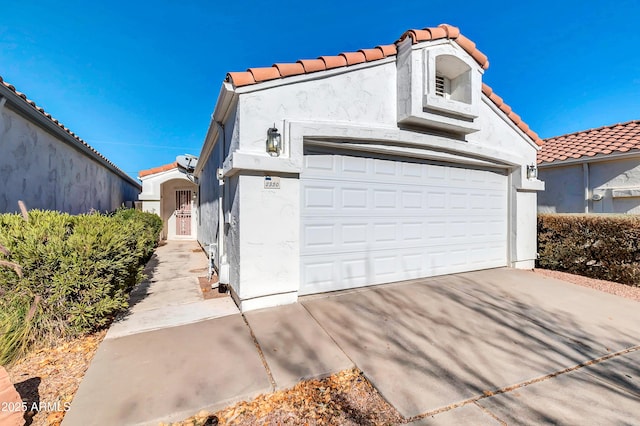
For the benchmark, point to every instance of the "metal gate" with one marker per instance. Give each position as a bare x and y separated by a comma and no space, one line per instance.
183,212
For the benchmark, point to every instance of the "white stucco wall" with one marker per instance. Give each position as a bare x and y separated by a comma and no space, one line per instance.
47,172
564,190
602,185
354,107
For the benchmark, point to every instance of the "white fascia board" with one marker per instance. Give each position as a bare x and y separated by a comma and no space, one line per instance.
595,159
318,75
226,99
510,122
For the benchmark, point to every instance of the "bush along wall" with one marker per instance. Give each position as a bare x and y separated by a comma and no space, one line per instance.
63,275
606,247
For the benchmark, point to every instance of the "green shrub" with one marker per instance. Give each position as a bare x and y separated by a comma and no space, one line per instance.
77,273
599,246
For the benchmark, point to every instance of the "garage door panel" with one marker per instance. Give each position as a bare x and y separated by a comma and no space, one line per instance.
348,270
355,165
348,234
370,221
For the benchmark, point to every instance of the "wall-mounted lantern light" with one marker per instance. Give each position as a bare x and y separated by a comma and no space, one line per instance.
274,142
532,172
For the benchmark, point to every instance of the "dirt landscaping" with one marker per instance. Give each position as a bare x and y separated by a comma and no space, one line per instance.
49,378
345,398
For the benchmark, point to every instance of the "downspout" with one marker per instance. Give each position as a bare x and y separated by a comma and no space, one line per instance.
587,192
223,272
3,100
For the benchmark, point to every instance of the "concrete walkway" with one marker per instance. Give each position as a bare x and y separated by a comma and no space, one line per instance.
171,295
489,347
155,360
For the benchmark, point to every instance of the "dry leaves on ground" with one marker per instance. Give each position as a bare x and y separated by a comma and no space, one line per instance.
345,398
48,379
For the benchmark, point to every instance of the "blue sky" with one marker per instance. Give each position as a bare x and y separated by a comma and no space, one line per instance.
139,80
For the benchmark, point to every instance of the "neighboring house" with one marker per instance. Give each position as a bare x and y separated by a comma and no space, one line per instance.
169,193
48,167
593,171
383,165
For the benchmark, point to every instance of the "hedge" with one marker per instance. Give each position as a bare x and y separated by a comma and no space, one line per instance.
605,247
77,272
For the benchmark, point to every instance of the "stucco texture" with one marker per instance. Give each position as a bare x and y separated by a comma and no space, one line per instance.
343,110
48,173
602,186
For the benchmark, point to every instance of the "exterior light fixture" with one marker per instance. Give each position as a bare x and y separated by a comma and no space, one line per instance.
532,172
274,142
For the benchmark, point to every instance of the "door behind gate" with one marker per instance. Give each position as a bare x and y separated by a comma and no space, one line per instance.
183,212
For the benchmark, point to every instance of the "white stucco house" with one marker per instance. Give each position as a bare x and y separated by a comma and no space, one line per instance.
49,167
171,193
593,171
368,167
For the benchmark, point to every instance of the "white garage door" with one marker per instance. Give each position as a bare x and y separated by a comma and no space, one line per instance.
371,221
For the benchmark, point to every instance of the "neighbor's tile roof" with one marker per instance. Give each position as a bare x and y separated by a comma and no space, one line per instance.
617,138
323,63
58,123
158,169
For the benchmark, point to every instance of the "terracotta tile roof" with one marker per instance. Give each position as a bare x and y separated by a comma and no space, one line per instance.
617,138
158,169
322,63
58,123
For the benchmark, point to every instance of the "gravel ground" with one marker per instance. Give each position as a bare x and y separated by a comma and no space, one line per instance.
622,290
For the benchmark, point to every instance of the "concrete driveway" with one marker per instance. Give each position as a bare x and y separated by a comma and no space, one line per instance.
493,346
499,346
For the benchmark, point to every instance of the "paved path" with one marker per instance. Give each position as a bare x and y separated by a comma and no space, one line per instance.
171,295
170,354
489,347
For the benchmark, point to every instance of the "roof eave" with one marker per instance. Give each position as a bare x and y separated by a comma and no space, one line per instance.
226,98
594,159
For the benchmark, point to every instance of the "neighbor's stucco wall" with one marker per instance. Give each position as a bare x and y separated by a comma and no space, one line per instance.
563,191
48,173
612,186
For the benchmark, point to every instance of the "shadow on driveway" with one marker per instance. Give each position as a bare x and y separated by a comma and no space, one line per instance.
433,343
